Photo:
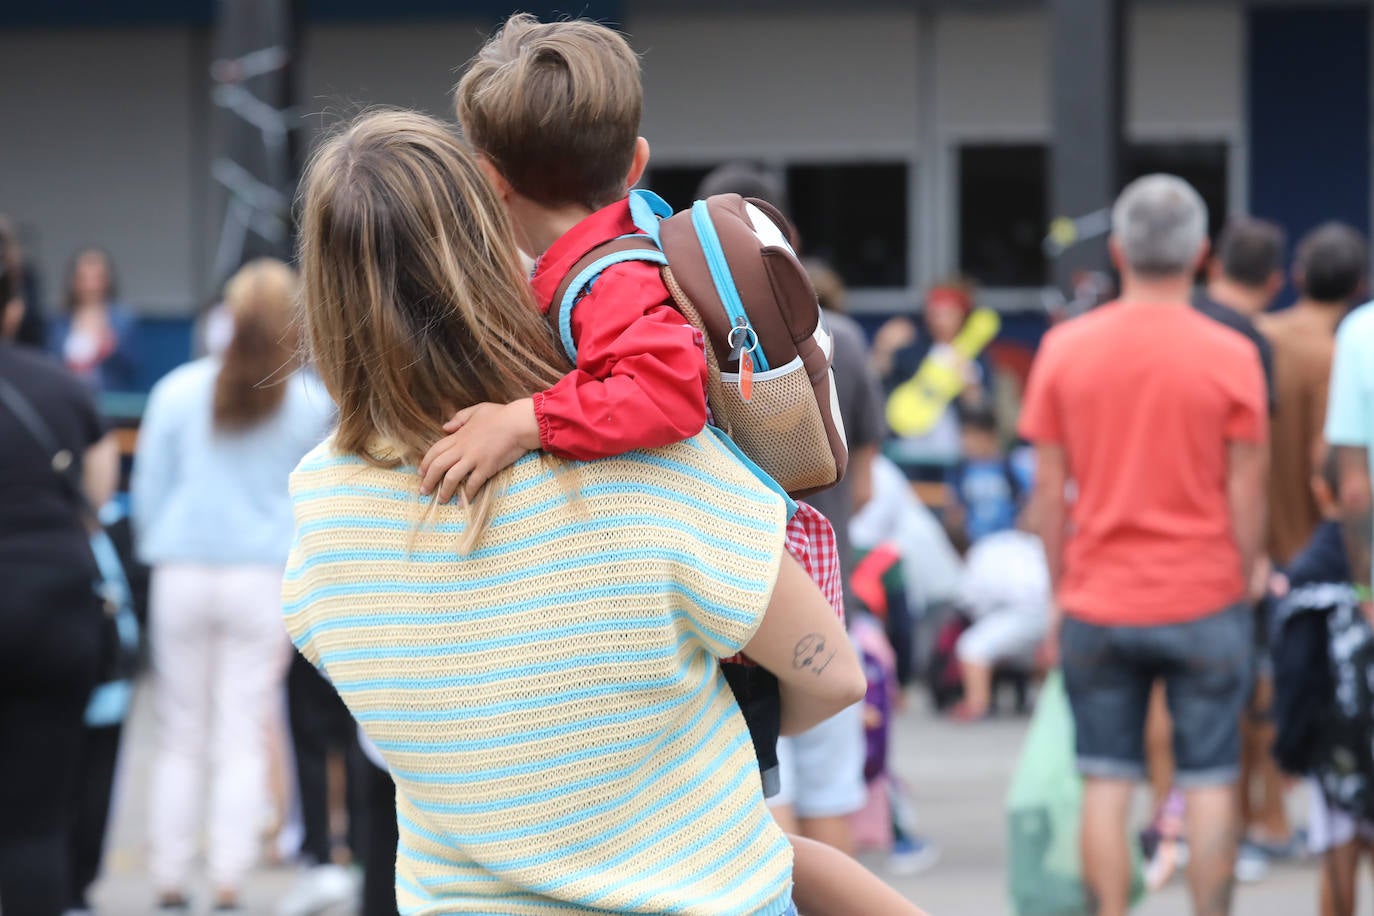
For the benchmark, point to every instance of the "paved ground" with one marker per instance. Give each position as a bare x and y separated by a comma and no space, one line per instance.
959,774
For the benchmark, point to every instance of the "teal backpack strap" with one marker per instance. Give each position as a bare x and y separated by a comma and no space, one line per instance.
647,209
584,273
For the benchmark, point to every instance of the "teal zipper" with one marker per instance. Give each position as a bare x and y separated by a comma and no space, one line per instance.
720,275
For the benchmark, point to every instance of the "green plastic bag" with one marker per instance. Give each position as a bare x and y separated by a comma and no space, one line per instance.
1045,867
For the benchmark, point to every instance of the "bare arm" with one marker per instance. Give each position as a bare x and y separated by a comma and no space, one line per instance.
1247,477
100,471
1049,518
804,645
1357,517
1048,506
826,882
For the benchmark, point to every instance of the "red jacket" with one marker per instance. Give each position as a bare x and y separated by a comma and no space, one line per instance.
640,380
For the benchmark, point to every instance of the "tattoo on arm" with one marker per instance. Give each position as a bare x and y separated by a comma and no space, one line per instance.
812,653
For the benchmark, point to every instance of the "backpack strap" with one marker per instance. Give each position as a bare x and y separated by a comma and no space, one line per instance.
647,209
634,247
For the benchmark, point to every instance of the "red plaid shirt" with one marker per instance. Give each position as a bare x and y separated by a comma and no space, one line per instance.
811,542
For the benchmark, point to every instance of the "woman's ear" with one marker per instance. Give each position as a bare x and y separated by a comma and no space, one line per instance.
638,164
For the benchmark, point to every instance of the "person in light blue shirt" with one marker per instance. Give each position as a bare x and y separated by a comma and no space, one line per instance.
1350,430
212,516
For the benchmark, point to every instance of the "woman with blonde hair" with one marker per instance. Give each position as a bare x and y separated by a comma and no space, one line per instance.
212,517
537,667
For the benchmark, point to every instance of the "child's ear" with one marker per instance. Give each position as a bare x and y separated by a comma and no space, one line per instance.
639,164
498,181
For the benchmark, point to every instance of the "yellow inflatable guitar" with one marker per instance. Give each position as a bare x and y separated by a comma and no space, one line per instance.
916,405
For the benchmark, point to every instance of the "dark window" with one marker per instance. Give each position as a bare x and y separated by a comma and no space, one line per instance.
677,184
1003,209
855,217
1003,214
1203,165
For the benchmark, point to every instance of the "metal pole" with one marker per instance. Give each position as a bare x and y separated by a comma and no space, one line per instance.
1085,169
256,130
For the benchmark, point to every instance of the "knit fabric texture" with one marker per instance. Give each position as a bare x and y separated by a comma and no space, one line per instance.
550,705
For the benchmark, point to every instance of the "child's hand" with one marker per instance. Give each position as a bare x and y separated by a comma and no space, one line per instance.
483,440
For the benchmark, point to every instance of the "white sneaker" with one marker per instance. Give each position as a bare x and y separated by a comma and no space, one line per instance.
1251,864
318,889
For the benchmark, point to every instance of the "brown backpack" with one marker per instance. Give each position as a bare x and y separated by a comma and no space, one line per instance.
729,265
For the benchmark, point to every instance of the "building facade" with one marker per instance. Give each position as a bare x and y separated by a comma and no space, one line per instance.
914,137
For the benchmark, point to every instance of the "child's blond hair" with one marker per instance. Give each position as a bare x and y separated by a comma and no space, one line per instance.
555,107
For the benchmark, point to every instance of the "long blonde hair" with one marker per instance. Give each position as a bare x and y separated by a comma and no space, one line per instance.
416,301
261,297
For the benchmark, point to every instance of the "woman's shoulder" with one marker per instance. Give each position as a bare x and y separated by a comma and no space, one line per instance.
695,488
703,462
18,360
57,394
323,459
188,379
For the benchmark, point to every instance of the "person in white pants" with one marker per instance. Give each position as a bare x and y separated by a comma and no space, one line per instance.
218,661
212,516
1006,589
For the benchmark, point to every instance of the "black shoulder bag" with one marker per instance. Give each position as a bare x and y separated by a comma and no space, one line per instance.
119,656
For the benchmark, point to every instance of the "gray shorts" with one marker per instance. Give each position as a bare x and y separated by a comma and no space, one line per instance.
1207,668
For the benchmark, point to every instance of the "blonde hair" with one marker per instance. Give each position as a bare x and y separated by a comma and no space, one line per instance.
261,297
555,106
416,304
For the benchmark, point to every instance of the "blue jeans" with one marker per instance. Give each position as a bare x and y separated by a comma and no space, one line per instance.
1207,668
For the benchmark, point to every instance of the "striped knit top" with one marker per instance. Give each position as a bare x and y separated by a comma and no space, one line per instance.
550,704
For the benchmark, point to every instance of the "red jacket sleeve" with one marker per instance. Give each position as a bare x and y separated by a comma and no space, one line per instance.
640,380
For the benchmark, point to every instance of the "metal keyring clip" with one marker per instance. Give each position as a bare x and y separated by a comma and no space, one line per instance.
749,335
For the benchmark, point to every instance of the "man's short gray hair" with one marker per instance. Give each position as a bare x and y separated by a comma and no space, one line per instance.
1160,224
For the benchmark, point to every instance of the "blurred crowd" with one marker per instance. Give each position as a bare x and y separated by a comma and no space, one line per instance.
949,582
948,579
1161,435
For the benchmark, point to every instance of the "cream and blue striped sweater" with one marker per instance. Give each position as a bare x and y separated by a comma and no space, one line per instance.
550,704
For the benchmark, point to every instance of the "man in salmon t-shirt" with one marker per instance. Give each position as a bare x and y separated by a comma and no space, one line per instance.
1152,434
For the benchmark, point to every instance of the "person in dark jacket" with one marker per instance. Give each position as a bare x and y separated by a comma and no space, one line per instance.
51,621
1323,651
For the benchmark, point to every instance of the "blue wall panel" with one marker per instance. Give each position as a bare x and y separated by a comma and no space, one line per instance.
1309,111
